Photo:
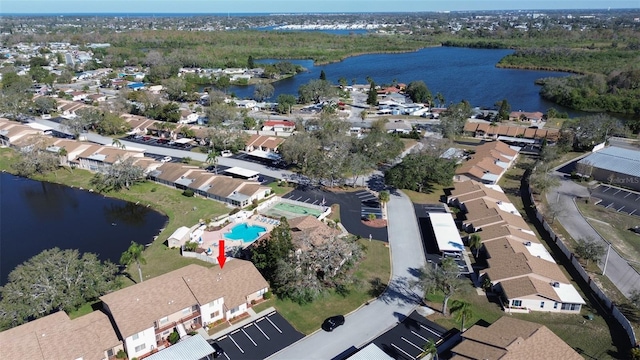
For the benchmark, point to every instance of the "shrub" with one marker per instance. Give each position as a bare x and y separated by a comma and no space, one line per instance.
121,354
253,302
267,295
191,246
188,193
234,211
174,337
153,189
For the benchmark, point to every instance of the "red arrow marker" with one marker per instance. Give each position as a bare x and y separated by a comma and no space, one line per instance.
222,257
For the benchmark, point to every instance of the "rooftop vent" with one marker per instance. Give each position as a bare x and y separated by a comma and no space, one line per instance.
555,284
528,243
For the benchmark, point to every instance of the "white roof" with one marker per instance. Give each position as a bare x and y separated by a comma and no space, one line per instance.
568,294
183,141
264,154
370,352
180,232
446,232
508,207
538,250
188,348
495,187
242,172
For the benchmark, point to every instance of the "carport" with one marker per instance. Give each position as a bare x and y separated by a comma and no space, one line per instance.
446,233
188,348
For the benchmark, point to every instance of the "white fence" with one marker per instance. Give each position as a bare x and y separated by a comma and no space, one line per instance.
195,255
608,304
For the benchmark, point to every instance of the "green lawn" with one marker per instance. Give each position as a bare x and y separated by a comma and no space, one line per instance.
308,318
280,190
431,197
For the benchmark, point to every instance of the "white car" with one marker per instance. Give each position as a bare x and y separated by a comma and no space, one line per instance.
166,159
226,153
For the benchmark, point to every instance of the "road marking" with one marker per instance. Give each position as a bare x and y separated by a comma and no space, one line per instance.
227,356
620,209
627,195
309,199
314,202
239,348
299,198
608,206
274,325
634,210
429,330
265,335
616,192
410,343
404,352
418,335
605,189
637,198
254,343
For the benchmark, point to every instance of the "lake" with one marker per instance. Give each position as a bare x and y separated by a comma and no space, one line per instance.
35,216
457,73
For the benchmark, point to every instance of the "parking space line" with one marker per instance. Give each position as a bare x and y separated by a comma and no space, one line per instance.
274,325
627,195
254,343
605,189
634,210
608,206
418,335
616,192
227,356
299,198
621,208
239,348
314,202
637,198
410,343
429,330
265,335
404,352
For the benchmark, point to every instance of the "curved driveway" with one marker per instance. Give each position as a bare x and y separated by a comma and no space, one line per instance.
618,269
398,300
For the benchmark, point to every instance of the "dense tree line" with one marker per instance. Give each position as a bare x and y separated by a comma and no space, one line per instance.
420,172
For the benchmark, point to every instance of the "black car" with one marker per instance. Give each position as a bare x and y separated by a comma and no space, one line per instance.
333,322
217,350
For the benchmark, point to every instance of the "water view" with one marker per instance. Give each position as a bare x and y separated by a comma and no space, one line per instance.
457,73
35,216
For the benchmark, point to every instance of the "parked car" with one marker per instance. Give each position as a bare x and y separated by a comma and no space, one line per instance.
217,350
333,322
166,159
636,229
226,153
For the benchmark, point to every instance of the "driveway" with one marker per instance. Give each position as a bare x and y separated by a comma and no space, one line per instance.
398,300
618,269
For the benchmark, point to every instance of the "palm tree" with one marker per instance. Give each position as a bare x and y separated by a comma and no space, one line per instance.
384,198
134,255
431,349
475,242
212,159
462,311
117,143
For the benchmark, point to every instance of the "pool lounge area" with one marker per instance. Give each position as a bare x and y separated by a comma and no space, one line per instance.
245,232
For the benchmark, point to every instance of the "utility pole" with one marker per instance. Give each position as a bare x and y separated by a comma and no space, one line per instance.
606,259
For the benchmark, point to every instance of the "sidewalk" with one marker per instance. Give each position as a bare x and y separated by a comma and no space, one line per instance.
252,317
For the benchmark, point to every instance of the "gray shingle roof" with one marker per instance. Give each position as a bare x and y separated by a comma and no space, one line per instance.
620,160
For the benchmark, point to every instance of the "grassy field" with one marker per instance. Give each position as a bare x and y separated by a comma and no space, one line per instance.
181,210
432,197
614,227
374,268
280,190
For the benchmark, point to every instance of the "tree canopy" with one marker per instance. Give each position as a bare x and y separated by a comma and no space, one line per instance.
120,175
419,172
453,119
51,281
442,278
419,92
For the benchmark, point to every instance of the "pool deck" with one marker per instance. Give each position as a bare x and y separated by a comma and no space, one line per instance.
210,238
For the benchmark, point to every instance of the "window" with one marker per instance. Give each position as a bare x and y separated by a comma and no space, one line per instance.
235,310
194,308
555,305
572,307
215,314
135,337
140,347
186,311
164,320
516,303
541,304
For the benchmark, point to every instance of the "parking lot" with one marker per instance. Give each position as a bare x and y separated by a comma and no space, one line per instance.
407,339
369,204
617,199
149,140
259,339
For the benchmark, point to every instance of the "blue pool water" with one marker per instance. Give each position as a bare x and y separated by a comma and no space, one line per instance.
245,232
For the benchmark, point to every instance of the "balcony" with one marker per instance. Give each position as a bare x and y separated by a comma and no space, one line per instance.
171,325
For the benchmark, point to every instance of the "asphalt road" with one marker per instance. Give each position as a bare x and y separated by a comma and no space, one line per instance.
398,301
618,269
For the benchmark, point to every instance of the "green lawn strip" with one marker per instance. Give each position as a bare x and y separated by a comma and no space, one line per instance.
263,305
308,318
280,190
432,197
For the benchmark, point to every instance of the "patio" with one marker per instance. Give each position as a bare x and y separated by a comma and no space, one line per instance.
210,239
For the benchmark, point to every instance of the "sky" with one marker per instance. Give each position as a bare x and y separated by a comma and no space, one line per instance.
292,6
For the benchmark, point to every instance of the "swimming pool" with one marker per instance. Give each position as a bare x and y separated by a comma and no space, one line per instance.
246,233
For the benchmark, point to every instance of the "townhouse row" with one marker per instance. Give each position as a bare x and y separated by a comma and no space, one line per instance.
519,268
138,319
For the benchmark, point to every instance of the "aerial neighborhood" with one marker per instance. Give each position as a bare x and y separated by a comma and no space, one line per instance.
308,215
